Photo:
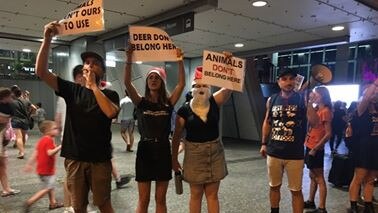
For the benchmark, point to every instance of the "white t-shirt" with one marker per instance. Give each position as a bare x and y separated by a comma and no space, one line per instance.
127,109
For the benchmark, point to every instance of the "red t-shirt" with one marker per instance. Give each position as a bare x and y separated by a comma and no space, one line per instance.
316,133
45,163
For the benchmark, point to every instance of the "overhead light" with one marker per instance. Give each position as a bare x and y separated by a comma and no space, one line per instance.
139,62
239,45
62,54
300,54
26,50
338,28
109,63
259,3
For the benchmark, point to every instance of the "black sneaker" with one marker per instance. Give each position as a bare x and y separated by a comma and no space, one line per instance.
369,209
309,205
353,210
124,180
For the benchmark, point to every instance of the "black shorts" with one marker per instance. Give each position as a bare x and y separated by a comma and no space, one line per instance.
154,161
364,154
314,162
19,125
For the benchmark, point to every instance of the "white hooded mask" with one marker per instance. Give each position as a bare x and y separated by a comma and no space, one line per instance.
200,103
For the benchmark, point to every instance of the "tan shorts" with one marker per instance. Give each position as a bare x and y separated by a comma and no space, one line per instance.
82,176
293,168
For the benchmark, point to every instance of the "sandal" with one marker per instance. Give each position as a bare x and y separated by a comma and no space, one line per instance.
10,193
55,206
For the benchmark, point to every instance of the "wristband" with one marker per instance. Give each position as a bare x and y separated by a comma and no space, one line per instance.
263,143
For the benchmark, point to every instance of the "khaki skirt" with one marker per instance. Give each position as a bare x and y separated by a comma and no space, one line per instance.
204,162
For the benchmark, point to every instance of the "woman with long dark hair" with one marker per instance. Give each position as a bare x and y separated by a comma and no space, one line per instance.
153,112
318,134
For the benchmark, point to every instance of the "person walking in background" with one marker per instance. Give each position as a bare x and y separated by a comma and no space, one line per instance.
44,156
338,126
153,111
127,121
87,138
20,120
6,133
364,149
318,134
283,133
204,160
40,113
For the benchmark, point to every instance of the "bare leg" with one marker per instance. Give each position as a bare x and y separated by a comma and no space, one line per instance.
196,193
211,193
144,190
297,201
354,187
160,196
106,207
275,196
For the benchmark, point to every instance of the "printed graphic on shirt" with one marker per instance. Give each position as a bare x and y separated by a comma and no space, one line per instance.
283,122
155,113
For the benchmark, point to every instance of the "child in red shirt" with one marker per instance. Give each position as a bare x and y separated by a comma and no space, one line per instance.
44,155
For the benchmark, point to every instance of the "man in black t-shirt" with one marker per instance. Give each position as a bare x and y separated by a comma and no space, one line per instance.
87,136
283,134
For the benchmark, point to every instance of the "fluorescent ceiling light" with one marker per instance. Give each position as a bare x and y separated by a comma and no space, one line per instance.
259,3
338,28
110,63
62,54
26,50
239,45
139,62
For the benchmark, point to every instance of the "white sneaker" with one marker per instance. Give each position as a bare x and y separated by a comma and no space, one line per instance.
69,210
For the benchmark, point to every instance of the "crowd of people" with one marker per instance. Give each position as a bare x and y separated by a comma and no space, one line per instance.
296,127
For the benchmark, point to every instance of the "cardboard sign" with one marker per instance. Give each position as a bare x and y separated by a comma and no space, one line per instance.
151,44
86,17
220,71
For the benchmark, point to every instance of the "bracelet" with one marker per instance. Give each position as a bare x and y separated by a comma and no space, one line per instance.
129,63
263,143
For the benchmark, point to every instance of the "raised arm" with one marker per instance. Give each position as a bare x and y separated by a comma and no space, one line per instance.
133,93
369,94
221,96
176,93
41,66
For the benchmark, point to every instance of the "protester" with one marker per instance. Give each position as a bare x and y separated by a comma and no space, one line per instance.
364,146
44,156
204,160
318,134
153,111
87,138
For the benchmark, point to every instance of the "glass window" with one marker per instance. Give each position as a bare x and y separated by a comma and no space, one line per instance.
284,60
330,56
352,52
316,58
300,58
351,70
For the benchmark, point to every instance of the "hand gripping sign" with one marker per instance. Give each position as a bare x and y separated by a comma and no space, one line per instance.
151,44
222,71
86,17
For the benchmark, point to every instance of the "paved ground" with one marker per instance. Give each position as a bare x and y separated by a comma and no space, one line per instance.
244,190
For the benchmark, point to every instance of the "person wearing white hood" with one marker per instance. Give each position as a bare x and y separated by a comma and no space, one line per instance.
200,118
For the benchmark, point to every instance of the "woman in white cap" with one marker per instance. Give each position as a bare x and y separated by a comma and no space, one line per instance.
204,160
154,110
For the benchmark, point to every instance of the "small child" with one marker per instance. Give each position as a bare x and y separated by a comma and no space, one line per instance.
44,155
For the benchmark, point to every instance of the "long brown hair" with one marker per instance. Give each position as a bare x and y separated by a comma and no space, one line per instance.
326,98
163,94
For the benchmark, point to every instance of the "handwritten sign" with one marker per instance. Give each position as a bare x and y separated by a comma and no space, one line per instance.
86,17
151,44
222,71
